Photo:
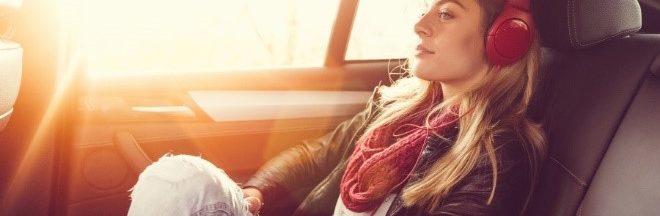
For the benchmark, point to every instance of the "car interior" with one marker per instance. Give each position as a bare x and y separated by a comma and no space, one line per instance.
73,145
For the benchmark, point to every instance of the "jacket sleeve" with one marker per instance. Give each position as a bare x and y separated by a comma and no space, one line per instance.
470,196
305,165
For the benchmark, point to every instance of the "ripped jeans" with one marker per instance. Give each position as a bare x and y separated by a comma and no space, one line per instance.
186,185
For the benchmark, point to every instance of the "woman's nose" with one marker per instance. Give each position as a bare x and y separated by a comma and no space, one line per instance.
420,27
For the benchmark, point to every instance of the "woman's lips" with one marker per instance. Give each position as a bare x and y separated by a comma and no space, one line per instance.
422,51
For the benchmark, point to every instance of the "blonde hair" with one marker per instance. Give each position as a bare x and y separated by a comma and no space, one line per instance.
497,105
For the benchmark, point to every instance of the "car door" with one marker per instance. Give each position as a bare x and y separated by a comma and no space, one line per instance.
233,83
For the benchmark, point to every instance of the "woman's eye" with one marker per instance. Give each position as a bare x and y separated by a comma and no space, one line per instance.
444,15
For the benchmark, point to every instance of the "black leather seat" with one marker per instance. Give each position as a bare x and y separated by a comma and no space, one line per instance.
599,101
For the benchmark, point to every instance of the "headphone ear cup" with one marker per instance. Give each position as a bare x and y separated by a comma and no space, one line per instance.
510,36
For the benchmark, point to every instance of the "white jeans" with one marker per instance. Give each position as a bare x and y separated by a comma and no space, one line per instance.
185,185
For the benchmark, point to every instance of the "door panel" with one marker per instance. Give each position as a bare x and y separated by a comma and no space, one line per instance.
237,131
102,176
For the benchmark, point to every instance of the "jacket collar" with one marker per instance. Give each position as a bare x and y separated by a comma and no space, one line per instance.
435,147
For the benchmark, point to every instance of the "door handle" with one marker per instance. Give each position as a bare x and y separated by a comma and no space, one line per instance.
131,151
171,111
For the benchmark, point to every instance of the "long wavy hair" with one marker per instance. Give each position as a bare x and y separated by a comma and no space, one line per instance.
496,105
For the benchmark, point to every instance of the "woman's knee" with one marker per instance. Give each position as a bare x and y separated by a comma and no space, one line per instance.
184,185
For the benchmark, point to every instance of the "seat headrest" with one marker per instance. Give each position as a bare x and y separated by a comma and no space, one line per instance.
577,24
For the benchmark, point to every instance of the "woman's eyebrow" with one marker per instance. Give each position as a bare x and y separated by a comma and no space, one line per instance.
441,2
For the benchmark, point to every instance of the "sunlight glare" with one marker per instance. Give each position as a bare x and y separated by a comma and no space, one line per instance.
128,37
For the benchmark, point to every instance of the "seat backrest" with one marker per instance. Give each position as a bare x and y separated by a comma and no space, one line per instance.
10,78
627,180
594,65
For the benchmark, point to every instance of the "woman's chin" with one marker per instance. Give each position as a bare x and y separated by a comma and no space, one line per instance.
427,75
422,74
422,78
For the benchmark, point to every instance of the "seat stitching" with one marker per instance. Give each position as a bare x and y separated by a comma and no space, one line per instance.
623,32
569,19
579,181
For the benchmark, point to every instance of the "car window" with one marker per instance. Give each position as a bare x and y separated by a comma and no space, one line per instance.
129,37
383,29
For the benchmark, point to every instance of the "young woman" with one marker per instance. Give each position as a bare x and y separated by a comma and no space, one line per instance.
451,138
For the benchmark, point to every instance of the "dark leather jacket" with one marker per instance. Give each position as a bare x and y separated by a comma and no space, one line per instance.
304,180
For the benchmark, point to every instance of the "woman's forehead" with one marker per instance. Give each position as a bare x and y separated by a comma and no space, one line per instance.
462,3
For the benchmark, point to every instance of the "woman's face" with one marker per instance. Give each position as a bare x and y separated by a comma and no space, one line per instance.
452,42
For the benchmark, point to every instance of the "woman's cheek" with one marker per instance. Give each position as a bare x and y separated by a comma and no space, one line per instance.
475,46
453,59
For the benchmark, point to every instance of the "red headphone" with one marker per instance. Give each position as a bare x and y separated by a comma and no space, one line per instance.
511,34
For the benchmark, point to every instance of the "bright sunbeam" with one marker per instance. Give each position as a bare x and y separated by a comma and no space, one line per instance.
43,136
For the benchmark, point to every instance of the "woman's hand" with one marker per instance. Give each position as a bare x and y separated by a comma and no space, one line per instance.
254,198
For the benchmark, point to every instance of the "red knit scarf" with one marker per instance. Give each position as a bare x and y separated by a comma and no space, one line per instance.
376,169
